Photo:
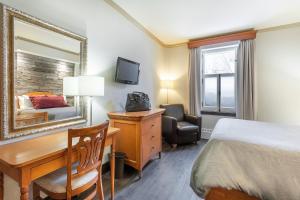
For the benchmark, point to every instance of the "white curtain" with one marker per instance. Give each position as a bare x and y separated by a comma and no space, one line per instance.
195,82
245,80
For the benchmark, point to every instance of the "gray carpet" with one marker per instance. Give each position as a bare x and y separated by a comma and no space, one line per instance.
163,179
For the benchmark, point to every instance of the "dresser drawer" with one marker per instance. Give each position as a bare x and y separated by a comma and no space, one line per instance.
149,151
151,145
155,145
151,139
151,125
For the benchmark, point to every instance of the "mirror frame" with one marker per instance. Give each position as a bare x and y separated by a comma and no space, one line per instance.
7,82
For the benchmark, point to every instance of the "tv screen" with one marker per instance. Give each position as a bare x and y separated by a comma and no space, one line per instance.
127,71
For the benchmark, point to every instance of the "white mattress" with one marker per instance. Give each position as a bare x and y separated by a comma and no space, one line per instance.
56,113
261,159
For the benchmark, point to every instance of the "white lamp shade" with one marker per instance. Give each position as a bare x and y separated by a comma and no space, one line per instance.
83,86
70,86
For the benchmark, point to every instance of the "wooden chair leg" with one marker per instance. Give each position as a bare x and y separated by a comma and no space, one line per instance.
69,195
1,186
100,188
36,192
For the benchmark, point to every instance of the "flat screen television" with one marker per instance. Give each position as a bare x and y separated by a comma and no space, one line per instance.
127,71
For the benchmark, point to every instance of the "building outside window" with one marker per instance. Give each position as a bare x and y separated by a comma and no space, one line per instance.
219,79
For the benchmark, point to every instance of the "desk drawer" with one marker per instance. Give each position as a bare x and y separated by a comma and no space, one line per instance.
48,167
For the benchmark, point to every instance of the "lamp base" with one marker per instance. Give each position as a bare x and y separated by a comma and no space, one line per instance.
91,111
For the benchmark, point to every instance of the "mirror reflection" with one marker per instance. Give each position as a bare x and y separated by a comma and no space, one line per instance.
42,59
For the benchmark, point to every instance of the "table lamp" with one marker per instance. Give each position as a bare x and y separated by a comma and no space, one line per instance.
89,86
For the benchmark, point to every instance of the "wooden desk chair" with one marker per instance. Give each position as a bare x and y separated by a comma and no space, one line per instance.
76,178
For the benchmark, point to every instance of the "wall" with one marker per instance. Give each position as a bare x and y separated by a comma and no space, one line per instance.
36,73
177,61
278,75
109,35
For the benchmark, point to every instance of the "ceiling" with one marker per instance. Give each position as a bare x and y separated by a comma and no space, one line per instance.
44,36
177,21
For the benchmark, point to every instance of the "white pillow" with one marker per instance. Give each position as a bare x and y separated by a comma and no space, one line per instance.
25,102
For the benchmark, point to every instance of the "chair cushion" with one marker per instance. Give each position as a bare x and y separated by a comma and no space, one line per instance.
56,182
186,127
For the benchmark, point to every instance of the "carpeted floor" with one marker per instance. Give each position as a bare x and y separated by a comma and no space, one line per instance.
163,179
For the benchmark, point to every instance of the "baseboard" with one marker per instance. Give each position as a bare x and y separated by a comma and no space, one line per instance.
206,133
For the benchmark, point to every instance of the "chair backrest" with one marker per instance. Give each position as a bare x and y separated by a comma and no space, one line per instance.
87,144
174,110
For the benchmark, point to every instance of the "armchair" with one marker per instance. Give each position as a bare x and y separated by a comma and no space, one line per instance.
180,128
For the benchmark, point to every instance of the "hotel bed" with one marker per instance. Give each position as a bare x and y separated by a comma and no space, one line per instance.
55,113
252,158
55,106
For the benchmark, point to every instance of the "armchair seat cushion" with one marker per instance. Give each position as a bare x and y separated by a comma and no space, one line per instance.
186,128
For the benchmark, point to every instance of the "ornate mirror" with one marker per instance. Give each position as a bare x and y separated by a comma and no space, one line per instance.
36,57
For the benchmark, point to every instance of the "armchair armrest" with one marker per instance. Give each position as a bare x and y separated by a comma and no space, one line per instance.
169,125
196,120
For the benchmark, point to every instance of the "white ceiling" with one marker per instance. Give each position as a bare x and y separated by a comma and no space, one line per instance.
176,21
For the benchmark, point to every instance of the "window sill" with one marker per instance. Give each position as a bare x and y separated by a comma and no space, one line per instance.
218,113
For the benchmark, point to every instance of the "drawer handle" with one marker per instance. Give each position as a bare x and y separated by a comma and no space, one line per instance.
152,125
152,136
153,148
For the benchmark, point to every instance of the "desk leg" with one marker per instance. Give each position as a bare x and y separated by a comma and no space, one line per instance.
24,184
112,168
24,193
1,186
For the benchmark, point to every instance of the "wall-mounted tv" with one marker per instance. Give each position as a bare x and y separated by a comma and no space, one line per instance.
127,71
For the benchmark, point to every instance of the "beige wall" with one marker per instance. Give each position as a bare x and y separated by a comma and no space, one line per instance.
177,61
278,75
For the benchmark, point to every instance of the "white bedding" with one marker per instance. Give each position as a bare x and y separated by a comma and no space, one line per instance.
262,159
56,113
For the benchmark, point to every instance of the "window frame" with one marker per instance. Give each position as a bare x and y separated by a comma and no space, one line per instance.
218,110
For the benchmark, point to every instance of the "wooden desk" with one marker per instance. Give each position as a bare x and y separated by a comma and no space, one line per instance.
27,160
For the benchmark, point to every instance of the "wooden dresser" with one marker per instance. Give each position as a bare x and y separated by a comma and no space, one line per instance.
140,135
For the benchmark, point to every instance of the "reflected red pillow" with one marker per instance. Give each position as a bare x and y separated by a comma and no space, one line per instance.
40,102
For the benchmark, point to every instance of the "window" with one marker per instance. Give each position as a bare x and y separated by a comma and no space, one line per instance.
218,82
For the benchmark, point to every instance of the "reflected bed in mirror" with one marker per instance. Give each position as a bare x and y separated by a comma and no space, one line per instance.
41,63
37,57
